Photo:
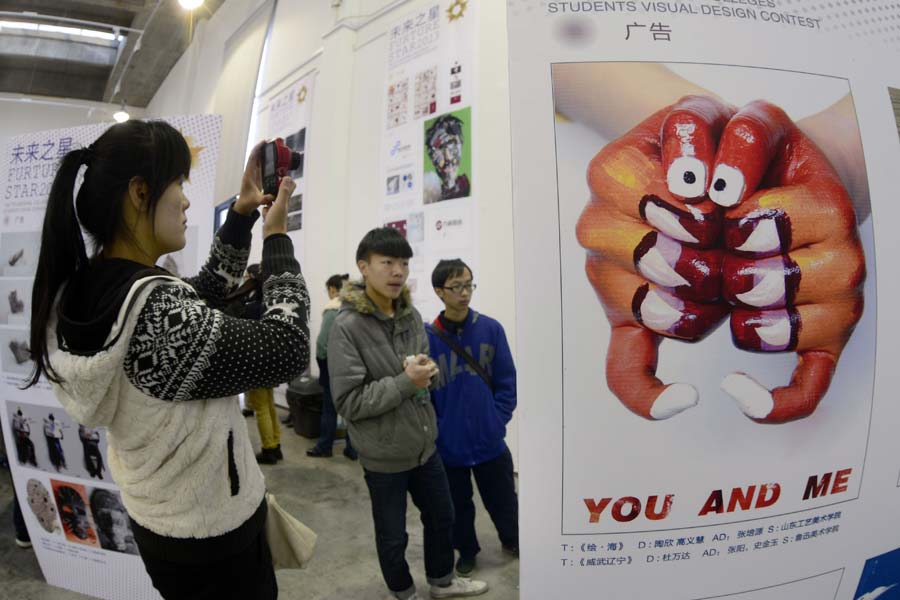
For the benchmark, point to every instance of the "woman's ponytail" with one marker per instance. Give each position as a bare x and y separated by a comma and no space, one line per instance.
62,253
153,151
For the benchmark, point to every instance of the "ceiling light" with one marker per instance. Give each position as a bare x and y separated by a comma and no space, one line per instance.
190,4
18,25
71,31
121,115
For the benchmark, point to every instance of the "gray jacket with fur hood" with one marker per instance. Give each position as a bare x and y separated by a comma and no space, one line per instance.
392,423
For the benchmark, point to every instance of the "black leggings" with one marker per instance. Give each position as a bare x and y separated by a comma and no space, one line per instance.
248,574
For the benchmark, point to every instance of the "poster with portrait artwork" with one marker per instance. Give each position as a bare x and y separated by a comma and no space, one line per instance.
76,519
429,188
699,188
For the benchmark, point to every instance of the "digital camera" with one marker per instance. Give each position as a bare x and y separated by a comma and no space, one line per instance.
277,160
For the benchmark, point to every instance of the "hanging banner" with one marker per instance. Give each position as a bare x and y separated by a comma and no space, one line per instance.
694,186
287,115
78,525
429,191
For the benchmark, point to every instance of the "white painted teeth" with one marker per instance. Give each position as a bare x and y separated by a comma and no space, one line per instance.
763,239
727,186
778,334
658,312
687,177
676,398
668,223
654,267
766,292
753,399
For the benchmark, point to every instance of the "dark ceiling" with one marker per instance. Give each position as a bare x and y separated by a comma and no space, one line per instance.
67,66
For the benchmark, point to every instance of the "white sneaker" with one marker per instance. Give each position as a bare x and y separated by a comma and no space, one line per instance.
460,587
23,543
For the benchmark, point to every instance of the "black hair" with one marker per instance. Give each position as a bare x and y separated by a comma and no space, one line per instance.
445,124
153,151
446,269
337,281
385,241
235,301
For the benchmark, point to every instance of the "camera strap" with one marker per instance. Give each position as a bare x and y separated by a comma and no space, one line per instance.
461,352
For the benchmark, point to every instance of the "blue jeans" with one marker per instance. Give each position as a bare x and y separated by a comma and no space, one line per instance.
427,485
328,424
497,488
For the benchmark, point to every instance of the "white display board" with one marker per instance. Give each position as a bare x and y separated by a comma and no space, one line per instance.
695,186
430,189
73,510
286,114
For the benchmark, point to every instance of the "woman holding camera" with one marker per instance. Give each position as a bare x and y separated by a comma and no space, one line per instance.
136,350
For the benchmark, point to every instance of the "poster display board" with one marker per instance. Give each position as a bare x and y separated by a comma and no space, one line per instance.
75,516
430,189
697,184
286,115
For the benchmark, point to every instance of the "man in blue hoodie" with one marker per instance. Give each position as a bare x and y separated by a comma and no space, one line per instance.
474,400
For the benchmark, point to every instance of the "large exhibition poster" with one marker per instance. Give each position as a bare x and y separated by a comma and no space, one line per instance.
429,188
74,512
286,114
693,184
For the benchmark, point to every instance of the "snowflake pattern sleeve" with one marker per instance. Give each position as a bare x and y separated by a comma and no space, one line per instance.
224,269
182,350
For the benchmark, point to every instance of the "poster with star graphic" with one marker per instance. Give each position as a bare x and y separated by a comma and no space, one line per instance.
428,188
73,510
286,115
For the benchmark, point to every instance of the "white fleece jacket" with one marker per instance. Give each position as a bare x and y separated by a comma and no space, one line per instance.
170,458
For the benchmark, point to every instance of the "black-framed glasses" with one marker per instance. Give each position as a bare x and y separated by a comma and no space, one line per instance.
459,287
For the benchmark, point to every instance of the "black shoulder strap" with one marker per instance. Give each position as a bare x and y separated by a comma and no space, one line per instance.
461,352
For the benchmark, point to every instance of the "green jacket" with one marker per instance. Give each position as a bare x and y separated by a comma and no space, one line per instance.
391,422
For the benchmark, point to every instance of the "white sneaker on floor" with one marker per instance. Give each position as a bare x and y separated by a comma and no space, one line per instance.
460,587
23,543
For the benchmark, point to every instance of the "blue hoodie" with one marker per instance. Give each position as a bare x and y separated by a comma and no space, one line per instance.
471,418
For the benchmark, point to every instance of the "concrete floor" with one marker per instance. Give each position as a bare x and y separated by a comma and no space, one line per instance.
331,497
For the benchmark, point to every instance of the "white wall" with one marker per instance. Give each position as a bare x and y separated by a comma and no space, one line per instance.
24,114
297,33
191,84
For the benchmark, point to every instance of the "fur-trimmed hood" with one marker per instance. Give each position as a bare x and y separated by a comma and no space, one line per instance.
333,304
353,297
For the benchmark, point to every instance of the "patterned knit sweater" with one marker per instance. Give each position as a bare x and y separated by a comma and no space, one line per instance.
178,446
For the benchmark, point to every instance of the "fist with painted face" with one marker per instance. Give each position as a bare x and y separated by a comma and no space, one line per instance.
701,211
654,247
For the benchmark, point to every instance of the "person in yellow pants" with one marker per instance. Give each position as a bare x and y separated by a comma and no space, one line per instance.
246,303
262,400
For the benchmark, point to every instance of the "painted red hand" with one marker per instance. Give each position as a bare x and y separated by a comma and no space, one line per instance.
653,242
794,265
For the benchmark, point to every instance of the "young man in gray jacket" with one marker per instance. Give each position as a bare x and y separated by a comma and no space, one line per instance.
380,373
